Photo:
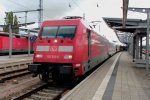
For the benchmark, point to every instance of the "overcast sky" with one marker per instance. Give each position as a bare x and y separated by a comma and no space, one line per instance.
56,9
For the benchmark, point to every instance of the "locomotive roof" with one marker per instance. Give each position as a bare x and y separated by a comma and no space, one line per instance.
61,20
67,22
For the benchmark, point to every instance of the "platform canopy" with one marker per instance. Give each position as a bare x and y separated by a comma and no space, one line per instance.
132,25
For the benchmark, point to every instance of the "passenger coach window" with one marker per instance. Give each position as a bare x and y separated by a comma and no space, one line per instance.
49,32
66,31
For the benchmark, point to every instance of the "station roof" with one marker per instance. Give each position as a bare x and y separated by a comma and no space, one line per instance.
131,24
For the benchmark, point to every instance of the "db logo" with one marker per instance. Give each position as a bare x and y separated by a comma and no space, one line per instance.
53,48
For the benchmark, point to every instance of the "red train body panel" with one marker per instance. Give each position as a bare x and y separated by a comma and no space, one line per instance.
74,49
18,44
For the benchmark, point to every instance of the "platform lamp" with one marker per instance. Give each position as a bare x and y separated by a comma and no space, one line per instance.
147,11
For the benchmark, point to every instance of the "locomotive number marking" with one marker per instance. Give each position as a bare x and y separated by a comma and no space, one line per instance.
53,56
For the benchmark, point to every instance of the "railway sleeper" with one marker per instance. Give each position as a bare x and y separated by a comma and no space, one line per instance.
12,75
42,93
56,89
12,71
28,99
11,68
37,97
51,91
27,94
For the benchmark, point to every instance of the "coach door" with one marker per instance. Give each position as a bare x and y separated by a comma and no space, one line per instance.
89,41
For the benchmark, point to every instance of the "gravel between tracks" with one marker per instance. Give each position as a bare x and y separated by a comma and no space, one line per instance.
7,90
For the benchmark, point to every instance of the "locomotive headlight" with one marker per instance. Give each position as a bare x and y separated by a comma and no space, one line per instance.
78,65
67,56
38,55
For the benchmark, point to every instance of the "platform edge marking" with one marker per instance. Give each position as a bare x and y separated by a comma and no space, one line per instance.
101,90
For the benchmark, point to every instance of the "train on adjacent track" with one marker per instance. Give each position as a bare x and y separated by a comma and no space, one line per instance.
19,44
68,48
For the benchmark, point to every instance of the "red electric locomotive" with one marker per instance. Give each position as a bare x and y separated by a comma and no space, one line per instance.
67,48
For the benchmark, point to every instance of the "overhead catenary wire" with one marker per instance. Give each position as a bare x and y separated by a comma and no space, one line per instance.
71,4
97,4
21,5
46,4
81,9
12,1
78,6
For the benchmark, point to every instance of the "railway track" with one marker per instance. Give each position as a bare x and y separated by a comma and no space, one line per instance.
13,74
45,91
10,70
13,69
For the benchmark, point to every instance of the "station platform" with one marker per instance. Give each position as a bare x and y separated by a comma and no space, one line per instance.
15,58
116,79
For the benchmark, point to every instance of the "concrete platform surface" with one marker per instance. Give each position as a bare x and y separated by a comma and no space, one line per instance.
131,83
15,58
116,79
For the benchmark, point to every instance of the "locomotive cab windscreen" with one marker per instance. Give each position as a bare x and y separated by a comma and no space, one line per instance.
58,32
